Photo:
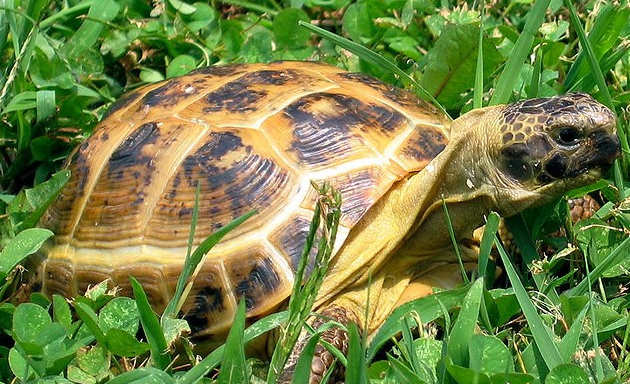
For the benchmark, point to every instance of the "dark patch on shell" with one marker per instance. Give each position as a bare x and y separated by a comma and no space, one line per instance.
238,95
261,281
81,168
425,145
129,152
169,94
234,97
122,102
220,144
321,134
318,137
391,92
290,239
185,212
246,182
208,299
220,70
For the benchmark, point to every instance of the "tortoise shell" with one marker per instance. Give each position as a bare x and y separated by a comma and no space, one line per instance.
253,137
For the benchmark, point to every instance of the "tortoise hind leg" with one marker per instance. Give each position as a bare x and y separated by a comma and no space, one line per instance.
322,359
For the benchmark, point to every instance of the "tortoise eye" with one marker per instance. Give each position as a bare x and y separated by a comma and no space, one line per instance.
568,136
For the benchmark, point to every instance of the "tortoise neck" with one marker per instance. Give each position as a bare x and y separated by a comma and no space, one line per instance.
460,177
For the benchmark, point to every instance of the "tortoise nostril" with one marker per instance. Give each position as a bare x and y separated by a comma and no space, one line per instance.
612,148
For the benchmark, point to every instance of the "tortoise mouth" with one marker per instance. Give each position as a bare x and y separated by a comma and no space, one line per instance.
606,149
599,155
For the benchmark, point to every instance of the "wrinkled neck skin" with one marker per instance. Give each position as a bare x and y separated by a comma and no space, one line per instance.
469,183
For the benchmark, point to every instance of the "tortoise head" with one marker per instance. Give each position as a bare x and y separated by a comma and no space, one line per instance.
557,142
538,149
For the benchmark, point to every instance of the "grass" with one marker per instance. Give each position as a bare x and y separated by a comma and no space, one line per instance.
559,318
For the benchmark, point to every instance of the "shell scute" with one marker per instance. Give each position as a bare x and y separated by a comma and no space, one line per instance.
58,277
290,237
241,96
328,128
259,279
85,165
360,189
422,146
131,181
87,276
152,281
235,177
211,305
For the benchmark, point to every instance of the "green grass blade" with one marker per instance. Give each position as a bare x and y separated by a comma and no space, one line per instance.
409,351
374,58
306,250
151,326
534,85
510,74
598,361
455,243
524,242
485,247
234,369
45,101
100,13
4,34
300,305
302,370
356,371
590,54
569,343
403,374
540,332
209,362
464,326
196,258
607,63
66,13
426,309
172,307
478,89
604,34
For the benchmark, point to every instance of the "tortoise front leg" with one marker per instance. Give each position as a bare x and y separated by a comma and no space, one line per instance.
322,359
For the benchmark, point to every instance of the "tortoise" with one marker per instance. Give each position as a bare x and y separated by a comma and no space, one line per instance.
254,137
